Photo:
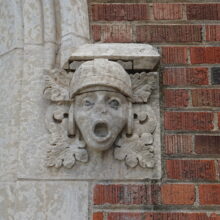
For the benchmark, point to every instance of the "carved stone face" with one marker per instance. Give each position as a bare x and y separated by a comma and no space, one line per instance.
100,116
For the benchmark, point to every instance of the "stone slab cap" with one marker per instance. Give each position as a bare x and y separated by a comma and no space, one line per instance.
143,56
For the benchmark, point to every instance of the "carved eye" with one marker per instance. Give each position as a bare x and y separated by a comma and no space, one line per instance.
88,103
114,104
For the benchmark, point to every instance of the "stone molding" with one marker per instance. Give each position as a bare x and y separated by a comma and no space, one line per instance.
142,56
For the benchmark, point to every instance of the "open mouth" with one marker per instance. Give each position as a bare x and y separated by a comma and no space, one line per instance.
101,131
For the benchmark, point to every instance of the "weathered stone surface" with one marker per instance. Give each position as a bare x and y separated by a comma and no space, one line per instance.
7,201
30,201
51,201
33,28
98,105
127,65
11,71
72,34
52,23
39,48
86,97
11,25
33,153
74,18
49,21
144,56
32,133
70,200
69,43
50,33
35,139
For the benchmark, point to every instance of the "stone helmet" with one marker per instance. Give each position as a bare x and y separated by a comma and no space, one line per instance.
101,72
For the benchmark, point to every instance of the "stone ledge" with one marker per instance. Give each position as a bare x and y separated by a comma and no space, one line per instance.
143,56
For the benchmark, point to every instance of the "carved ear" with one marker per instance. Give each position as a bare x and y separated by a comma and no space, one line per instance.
71,122
130,119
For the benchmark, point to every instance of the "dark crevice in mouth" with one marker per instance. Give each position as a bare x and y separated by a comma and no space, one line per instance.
101,130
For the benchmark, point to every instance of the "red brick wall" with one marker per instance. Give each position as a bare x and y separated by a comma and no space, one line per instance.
187,35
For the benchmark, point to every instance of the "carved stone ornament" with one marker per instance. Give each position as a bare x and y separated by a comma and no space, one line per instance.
99,107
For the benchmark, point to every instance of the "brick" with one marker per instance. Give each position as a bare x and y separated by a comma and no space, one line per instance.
178,144
158,216
98,216
191,169
178,194
185,76
126,194
176,98
188,121
206,97
218,167
119,12
126,216
96,32
168,33
209,194
207,144
200,55
114,33
174,55
219,120
165,11
213,33
215,74
214,216
203,11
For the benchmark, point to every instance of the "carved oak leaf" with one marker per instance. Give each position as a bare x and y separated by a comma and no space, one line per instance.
63,151
142,86
57,85
56,125
136,150
67,155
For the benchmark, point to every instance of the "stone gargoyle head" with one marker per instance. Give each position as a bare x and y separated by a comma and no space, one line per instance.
98,107
101,92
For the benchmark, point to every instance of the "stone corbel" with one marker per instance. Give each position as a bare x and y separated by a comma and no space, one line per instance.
106,98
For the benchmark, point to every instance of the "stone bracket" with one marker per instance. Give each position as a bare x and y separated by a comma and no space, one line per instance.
134,147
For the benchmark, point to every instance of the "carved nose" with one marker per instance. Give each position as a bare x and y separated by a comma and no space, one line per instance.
101,129
101,108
